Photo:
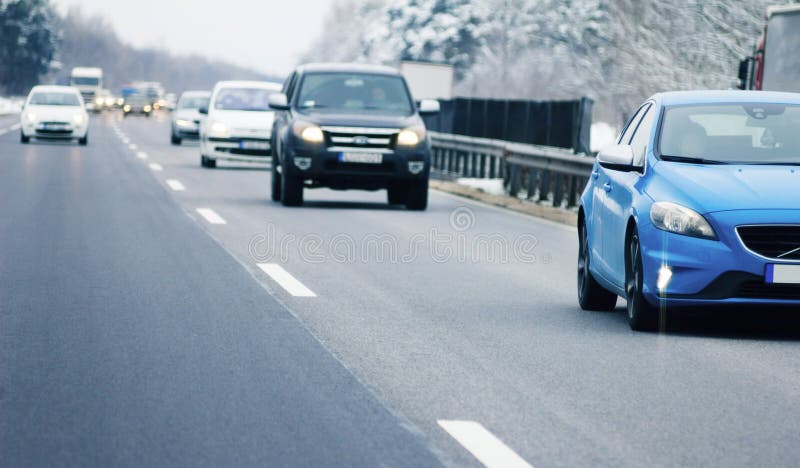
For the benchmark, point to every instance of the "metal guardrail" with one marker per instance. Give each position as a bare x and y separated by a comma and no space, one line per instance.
543,173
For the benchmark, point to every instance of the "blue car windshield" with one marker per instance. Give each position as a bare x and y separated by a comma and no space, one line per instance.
750,133
360,93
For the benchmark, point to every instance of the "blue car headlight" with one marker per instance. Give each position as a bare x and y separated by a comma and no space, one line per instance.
672,217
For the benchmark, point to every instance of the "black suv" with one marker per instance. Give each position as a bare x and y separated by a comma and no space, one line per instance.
350,126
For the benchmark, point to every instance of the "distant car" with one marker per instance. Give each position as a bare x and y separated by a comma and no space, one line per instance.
187,118
696,205
137,104
54,112
350,127
238,125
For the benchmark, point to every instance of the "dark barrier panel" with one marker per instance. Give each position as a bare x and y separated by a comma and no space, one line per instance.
564,124
563,114
461,116
496,113
517,118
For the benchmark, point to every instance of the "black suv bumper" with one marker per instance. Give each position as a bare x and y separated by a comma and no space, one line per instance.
328,168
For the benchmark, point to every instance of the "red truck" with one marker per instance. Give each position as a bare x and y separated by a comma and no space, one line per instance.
775,65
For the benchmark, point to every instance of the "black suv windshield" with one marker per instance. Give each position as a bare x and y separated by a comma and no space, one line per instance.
354,93
751,133
54,99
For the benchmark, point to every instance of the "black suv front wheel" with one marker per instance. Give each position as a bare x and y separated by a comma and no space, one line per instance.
291,190
417,195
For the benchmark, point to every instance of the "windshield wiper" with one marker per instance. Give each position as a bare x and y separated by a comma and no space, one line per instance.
785,163
690,160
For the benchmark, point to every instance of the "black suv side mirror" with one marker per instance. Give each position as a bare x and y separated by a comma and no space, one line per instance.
203,110
278,101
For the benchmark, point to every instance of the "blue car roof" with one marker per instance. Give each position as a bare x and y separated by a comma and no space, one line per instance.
717,97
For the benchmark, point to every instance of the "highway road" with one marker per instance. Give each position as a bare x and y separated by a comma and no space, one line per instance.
156,313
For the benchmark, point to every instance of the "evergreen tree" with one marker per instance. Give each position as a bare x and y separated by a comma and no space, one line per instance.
27,43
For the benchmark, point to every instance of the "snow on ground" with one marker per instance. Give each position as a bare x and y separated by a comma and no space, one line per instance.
602,136
491,186
10,106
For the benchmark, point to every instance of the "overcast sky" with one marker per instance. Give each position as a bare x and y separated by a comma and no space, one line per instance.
267,35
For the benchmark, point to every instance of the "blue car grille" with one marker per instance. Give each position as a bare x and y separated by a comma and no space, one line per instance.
775,242
760,290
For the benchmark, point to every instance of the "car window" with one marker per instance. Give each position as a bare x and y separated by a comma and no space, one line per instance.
288,89
192,102
354,93
243,99
641,136
54,99
625,137
733,133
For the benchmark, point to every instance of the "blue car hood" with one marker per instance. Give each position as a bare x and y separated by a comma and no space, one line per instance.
709,188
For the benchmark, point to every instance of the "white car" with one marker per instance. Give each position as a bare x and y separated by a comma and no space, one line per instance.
238,126
187,118
54,112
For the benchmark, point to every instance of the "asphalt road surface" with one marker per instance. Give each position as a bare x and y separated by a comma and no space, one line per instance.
156,313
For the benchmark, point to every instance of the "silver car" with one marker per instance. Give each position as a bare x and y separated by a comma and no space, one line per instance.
186,118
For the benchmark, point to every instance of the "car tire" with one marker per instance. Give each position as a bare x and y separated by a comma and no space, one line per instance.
397,193
175,140
208,162
417,195
84,141
291,190
24,139
591,295
641,315
275,187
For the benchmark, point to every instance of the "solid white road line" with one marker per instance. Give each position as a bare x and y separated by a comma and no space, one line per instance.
9,129
141,155
482,444
156,167
175,185
286,280
211,216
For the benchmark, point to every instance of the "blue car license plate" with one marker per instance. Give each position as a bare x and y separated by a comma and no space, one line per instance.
783,274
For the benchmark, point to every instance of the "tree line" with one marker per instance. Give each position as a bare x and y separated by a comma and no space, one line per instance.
37,45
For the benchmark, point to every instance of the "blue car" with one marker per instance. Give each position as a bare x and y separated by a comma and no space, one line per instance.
697,204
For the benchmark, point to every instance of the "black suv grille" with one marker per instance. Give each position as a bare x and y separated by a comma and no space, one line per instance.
358,138
776,242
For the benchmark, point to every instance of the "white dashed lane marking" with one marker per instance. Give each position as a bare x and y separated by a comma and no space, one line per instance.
483,445
211,216
288,282
156,167
175,185
141,155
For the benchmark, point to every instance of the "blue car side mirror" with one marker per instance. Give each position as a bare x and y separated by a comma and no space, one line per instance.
618,158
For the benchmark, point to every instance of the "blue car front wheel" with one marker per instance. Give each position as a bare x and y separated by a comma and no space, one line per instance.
641,315
591,296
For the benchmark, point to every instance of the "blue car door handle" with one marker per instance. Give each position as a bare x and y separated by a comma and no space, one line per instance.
607,187
595,175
